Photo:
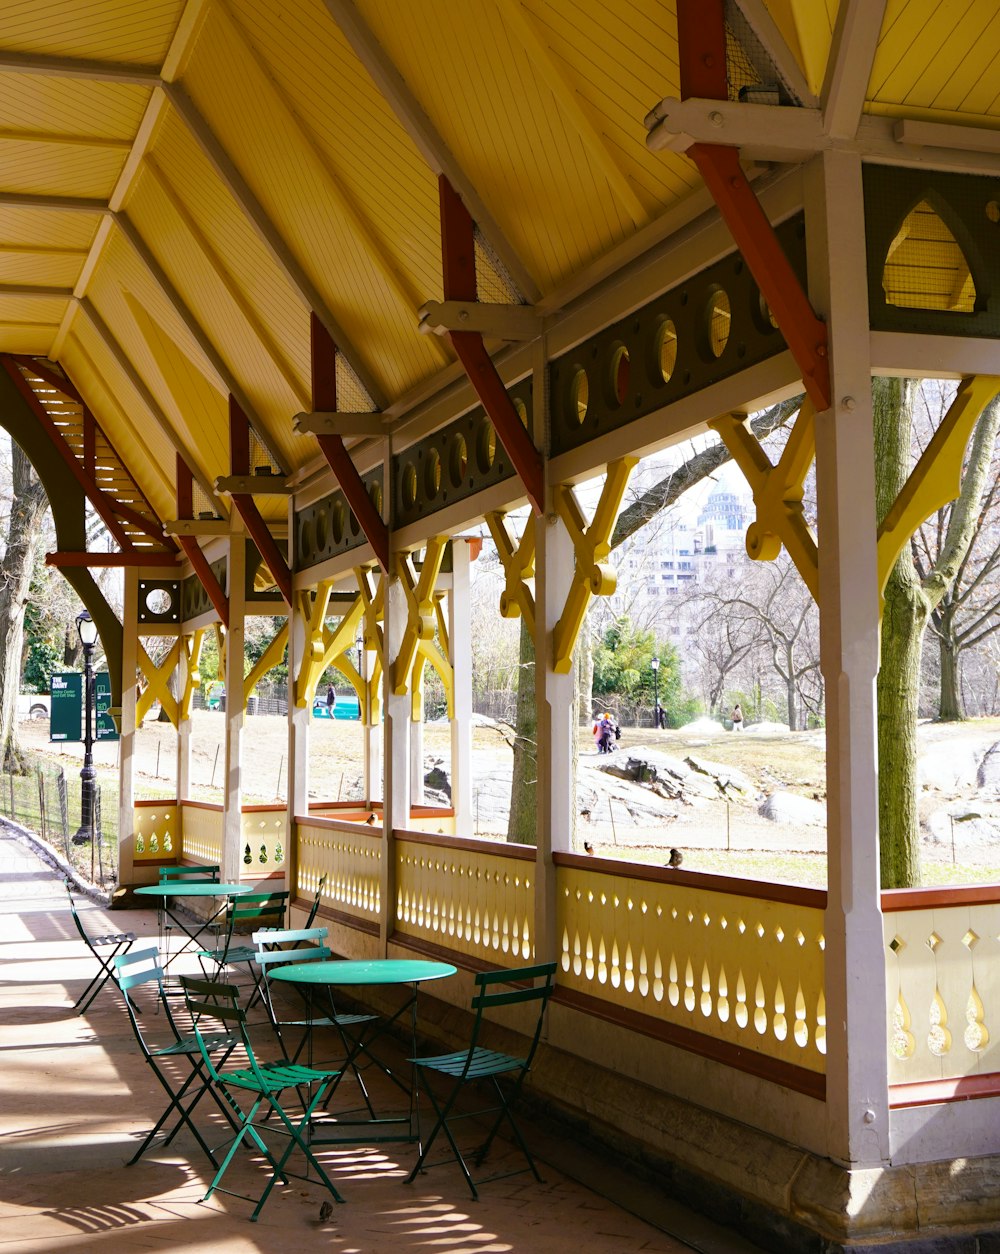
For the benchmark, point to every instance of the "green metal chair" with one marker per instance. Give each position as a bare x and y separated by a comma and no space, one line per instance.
105,949
277,948
142,967
260,1084
466,1066
314,908
252,910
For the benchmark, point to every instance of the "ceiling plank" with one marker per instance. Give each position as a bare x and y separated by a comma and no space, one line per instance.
78,67
429,143
266,231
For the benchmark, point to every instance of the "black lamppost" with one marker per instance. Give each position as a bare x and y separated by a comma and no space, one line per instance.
87,630
655,664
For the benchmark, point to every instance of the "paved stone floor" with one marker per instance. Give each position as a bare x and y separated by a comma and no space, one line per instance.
75,1095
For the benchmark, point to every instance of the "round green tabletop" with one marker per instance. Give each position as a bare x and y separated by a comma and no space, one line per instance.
202,888
373,971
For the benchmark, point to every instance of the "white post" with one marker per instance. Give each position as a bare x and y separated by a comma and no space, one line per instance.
396,800
232,801
126,746
556,698
183,730
460,633
298,748
416,757
857,1073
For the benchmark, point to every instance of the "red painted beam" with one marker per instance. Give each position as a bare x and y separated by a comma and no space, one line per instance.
458,252
134,557
192,549
324,398
239,448
701,41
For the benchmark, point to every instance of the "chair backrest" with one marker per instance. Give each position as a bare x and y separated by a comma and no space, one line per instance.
314,908
511,988
267,909
301,944
76,916
132,970
190,874
213,999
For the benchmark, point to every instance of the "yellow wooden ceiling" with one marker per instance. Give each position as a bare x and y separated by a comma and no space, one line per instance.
181,181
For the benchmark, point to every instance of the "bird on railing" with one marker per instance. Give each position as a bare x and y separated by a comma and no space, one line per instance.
370,819
588,848
676,858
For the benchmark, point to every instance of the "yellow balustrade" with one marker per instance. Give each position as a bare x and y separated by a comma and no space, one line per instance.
475,897
263,829
942,983
202,823
349,857
157,829
699,953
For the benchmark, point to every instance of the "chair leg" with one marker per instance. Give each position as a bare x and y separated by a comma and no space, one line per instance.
246,1128
505,1112
441,1125
101,978
295,1134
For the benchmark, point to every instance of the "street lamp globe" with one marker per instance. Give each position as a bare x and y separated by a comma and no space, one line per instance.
86,629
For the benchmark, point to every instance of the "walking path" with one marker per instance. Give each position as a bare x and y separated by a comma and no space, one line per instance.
75,1095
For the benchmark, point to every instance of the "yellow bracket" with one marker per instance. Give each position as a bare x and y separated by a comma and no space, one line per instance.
270,658
421,617
518,561
371,590
777,491
191,652
157,683
221,644
936,479
428,651
313,613
593,574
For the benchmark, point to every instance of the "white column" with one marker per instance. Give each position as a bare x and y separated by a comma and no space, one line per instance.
183,733
126,747
298,748
556,697
232,801
396,799
460,633
416,758
857,1084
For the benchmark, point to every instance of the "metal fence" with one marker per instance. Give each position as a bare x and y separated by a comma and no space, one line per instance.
47,802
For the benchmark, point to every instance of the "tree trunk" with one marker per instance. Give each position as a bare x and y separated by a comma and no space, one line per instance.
522,827
793,705
906,613
24,536
585,674
950,706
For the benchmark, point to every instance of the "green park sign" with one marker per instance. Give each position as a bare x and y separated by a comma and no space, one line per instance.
66,718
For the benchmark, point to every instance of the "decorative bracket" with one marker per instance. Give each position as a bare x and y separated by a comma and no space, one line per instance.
458,251
518,561
593,576
701,39
270,658
324,647
421,616
428,651
191,656
239,447
324,395
777,491
192,549
157,683
372,594
936,479
333,422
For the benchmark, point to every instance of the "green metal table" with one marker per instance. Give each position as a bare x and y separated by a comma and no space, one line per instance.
376,972
168,892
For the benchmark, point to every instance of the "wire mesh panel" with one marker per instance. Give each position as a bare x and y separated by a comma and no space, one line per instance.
752,75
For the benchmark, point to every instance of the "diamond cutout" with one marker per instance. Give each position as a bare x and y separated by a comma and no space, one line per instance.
970,940
933,941
897,944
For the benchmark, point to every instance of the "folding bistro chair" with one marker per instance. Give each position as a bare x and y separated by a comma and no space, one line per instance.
207,874
253,910
258,1084
276,948
466,1066
104,948
314,908
142,967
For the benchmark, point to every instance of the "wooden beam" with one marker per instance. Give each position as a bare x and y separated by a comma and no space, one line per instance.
459,260
849,66
192,549
239,452
134,557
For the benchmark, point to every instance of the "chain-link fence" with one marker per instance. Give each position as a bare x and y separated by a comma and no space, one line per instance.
48,802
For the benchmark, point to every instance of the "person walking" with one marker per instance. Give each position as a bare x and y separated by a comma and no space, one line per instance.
331,699
737,718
